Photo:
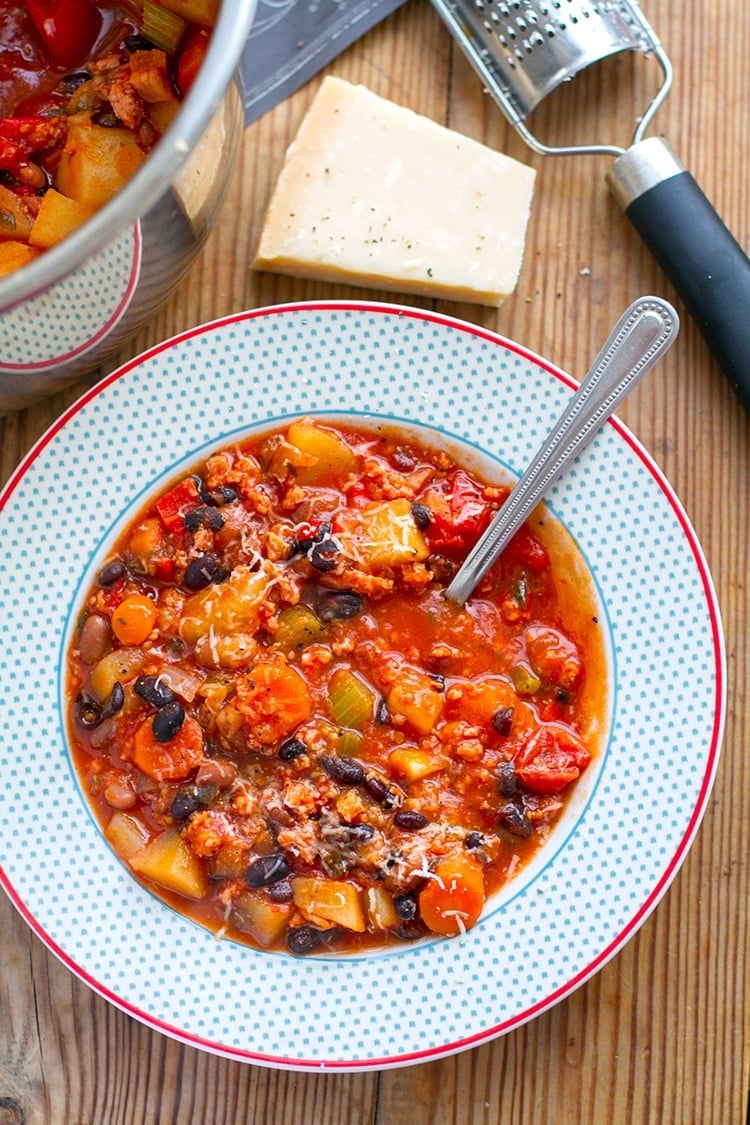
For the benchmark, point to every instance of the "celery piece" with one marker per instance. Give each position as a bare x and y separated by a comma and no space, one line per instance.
298,626
525,681
349,743
161,27
350,699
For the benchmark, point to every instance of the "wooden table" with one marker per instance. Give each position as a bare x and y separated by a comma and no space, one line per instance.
661,1033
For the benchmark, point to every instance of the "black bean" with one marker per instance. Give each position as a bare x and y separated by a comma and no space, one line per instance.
359,833
167,721
562,695
514,819
305,542
71,82
507,782
115,701
185,804
380,792
138,43
410,820
422,516
347,771
218,497
281,891
87,711
375,787
204,517
153,690
304,939
474,840
267,869
342,604
202,571
438,680
106,117
502,721
323,555
382,714
111,573
406,907
291,749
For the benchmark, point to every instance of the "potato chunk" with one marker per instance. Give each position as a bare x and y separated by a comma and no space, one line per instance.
415,699
263,920
126,834
329,902
226,608
382,534
15,220
168,861
332,453
96,162
13,255
58,217
119,666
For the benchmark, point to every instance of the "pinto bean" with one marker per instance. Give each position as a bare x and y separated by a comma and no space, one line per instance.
216,771
95,639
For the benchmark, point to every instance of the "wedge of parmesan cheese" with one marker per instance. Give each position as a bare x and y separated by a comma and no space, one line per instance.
373,194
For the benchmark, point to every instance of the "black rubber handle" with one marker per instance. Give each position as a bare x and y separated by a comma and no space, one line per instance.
707,267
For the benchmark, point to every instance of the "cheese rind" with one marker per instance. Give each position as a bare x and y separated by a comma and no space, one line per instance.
373,194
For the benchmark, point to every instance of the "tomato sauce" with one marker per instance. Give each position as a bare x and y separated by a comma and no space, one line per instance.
285,728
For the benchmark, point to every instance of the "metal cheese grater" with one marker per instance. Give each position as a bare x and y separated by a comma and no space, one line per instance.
523,50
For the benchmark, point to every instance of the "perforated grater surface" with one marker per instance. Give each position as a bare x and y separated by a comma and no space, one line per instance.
523,50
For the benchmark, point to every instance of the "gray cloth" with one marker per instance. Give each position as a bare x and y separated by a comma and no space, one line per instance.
292,40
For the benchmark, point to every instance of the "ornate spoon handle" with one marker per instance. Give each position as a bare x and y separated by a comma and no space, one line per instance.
641,336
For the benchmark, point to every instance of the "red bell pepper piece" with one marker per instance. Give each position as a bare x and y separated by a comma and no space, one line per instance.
175,504
35,134
68,28
459,512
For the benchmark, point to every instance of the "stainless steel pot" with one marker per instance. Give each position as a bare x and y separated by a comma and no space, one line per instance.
74,306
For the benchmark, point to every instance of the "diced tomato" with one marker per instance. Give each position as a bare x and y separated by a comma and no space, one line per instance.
525,550
460,513
68,29
13,157
165,569
175,504
550,759
191,57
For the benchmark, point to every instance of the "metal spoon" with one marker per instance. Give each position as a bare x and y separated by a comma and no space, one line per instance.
641,336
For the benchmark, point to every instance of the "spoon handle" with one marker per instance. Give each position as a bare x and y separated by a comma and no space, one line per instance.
645,331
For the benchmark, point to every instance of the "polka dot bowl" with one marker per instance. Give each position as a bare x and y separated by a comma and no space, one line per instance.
594,883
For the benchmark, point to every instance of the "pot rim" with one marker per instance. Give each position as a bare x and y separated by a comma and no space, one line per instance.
227,41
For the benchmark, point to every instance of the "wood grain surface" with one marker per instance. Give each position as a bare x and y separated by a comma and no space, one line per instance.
661,1033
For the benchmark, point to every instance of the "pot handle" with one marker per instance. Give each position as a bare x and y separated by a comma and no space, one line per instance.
699,255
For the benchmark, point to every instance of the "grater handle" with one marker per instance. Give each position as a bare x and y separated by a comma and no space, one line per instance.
699,255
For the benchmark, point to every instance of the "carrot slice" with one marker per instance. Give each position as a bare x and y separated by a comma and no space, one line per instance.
452,902
169,761
275,699
133,619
